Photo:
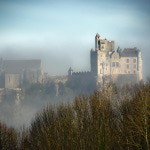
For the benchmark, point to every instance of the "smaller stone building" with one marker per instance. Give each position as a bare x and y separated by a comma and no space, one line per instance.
17,73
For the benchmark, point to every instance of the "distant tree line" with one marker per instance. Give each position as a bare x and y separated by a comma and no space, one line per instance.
110,119
50,88
74,86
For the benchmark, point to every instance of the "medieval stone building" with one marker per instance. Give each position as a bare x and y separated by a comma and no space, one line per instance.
110,66
16,73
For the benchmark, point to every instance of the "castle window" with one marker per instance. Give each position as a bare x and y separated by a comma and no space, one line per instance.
101,71
9,79
127,66
127,60
134,60
113,64
117,64
99,44
134,66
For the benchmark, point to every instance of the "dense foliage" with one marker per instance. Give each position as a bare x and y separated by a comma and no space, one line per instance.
110,119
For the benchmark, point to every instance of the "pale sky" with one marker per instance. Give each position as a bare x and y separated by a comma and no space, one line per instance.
61,32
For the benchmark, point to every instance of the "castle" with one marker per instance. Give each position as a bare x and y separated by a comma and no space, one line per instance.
110,66
107,66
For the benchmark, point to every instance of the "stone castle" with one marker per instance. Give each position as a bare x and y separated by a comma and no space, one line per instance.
107,66
110,66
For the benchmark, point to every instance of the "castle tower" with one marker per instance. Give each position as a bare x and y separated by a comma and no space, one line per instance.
100,58
1,64
70,71
139,65
97,42
94,62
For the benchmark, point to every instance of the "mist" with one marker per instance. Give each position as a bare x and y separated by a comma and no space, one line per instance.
56,59
75,53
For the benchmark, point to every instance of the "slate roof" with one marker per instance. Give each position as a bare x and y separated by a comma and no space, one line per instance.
129,52
18,66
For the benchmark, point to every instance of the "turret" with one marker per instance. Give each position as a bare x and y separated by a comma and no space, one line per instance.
119,50
139,65
1,64
70,71
97,42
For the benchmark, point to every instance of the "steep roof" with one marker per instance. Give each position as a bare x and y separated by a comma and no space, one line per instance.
97,35
114,53
18,66
129,52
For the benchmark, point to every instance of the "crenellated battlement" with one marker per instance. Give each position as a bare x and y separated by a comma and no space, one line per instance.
81,73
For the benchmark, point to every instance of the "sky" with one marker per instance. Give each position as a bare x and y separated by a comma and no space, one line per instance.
61,32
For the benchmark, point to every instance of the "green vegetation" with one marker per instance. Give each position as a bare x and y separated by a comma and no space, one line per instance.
50,89
110,119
